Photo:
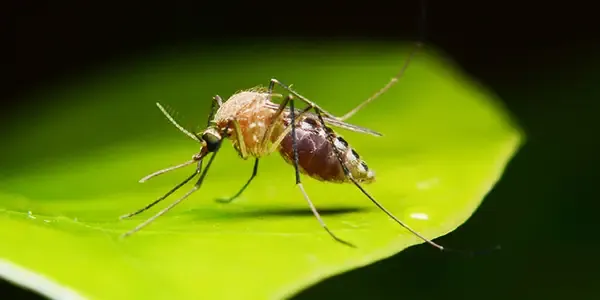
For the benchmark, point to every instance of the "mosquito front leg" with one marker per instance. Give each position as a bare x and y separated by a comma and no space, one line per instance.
129,215
195,188
244,154
264,143
254,172
298,181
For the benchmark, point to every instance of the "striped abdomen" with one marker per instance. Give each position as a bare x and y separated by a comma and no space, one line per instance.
317,156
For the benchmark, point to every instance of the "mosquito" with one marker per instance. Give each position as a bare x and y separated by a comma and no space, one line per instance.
258,127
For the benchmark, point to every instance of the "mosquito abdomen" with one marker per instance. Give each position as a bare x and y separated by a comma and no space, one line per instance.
317,156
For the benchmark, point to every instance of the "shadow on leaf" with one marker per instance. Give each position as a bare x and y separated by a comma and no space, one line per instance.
277,212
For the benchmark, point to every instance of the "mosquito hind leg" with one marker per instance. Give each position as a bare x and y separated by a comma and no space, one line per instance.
353,111
304,99
254,172
400,73
348,175
299,183
385,88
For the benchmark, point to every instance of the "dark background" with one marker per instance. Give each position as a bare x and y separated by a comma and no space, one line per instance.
542,58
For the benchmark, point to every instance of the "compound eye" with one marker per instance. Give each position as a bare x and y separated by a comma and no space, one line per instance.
212,141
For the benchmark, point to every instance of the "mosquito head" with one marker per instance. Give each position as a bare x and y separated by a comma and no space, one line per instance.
210,140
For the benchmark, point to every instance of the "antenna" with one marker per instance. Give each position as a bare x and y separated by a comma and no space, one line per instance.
172,120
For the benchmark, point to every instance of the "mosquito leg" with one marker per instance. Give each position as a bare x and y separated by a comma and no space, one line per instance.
349,114
269,130
267,134
166,209
286,131
218,101
215,104
264,143
351,178
396,78
129,215
254,172
304,99
384,88
299,183
240,139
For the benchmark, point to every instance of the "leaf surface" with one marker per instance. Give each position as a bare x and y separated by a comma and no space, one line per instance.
73,162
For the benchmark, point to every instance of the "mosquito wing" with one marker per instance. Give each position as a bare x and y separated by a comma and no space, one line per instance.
341,124
331,121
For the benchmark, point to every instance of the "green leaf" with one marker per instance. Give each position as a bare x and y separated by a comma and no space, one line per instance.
73,164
